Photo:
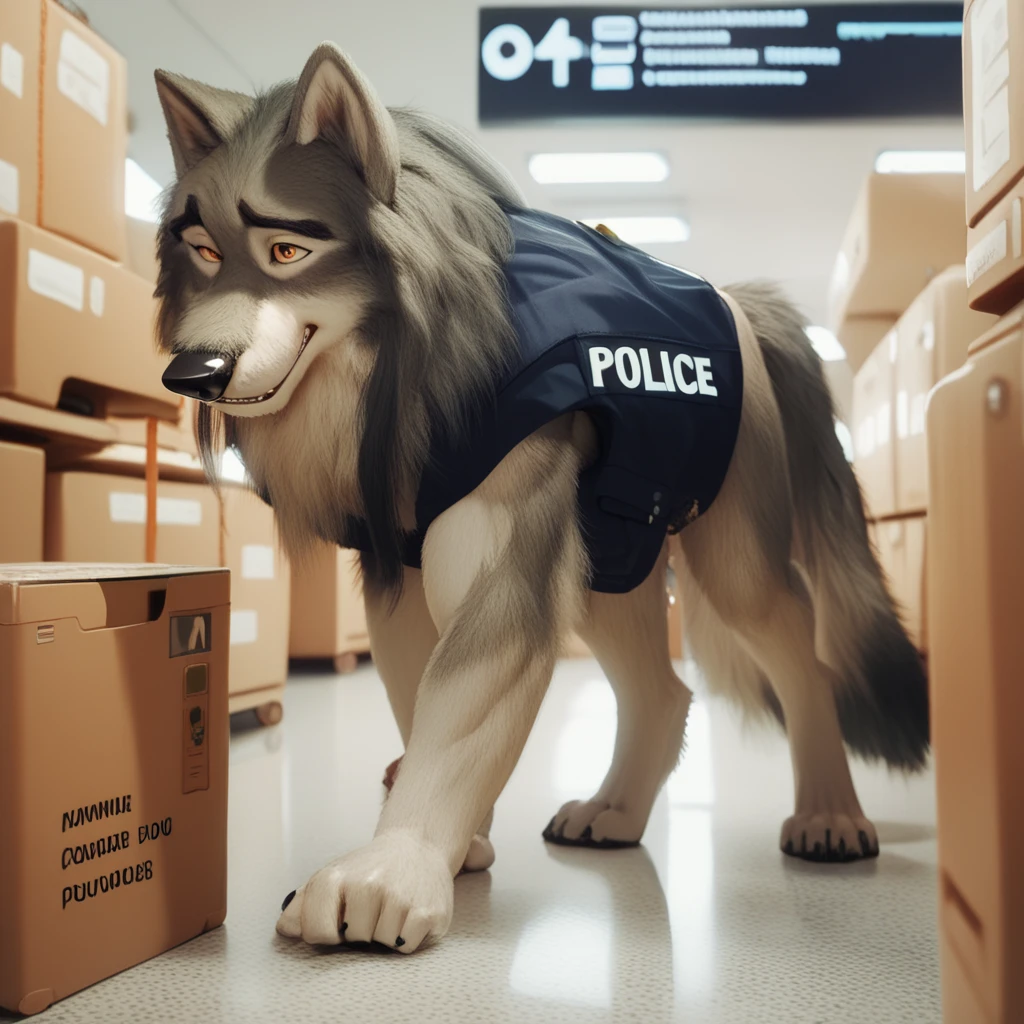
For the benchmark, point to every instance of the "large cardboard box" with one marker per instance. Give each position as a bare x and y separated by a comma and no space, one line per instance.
113,770
976,650
932,340
22,472
860,335
260,593
995,260
901,551
20,33
97,517
84,136
76,329
993,101
140,257
328,618
904,229
873,428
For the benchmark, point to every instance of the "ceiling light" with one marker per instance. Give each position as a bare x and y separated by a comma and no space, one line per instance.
590,168
141,193
921,161
645,230
826,344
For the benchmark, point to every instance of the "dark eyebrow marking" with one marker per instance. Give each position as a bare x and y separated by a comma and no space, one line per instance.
190,218
308,228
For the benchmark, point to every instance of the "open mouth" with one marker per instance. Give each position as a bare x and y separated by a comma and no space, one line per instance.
307,334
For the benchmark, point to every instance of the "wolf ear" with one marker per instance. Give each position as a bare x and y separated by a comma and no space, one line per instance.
199,117
334,99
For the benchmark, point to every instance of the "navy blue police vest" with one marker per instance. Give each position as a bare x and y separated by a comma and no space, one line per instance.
648,351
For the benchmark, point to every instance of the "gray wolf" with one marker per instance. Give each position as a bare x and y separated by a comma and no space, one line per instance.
332,287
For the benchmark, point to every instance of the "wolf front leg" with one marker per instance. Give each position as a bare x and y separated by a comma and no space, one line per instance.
503,577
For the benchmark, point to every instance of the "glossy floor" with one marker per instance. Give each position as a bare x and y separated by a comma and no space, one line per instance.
707,922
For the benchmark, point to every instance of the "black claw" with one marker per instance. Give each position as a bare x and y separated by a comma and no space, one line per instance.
587,834
828,844
788,848
842,849
549,832
865,843
817,852
803,844
399,942
343,928
287,900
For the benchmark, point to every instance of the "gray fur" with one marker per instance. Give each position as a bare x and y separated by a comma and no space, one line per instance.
883,704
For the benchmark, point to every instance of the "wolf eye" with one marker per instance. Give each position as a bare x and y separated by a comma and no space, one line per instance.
285,252
208,254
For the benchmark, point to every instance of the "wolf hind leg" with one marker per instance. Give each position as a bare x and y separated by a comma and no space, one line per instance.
628,634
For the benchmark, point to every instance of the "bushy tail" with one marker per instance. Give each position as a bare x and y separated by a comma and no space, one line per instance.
883,699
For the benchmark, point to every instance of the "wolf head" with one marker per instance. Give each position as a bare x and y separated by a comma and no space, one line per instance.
313,234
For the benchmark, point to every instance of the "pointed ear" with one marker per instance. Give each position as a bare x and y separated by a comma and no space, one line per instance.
333,99
199,117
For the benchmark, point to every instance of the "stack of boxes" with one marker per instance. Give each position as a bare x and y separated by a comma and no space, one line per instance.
975,429
79,370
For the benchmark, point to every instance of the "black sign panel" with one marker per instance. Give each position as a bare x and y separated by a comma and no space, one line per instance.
874,60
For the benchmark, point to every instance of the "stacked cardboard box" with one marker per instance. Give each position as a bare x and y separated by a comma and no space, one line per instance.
904,229
929,341
976,555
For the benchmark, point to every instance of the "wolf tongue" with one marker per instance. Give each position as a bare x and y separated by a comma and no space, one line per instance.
200,375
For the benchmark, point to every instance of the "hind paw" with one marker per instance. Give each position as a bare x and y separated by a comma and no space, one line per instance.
595,824
829,837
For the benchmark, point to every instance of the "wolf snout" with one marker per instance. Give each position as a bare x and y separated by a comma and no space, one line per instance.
201,375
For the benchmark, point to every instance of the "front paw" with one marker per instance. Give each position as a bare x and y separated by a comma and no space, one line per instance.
397,891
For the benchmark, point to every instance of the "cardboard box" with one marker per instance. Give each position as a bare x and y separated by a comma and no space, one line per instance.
901,552
260,593
873,428
904,229
95,517
140,256
22,475
20,34
932,341
328,618
113,770
85,135
976,650
993,101
995,261
76,330
860,335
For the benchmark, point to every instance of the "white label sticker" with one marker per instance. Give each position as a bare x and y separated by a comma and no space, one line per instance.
83,76
97,295
1015,228
8,188
990,68
245,627
63,282
12,70
987,253
257,562
131,508
883,417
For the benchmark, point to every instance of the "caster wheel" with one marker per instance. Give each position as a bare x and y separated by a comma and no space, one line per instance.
346,663
270,713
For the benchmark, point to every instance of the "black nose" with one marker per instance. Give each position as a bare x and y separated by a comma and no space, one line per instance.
202,375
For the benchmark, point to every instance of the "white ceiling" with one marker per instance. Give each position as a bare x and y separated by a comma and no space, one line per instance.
766,200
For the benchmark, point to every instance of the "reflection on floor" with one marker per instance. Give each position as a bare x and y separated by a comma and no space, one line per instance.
707,922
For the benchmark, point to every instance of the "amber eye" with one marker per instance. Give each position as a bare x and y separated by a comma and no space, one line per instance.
285,252
208,254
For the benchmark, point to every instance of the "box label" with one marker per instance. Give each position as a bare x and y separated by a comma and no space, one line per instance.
56,279
12,70
981,258
8,188
244,627
83,76
97,295
131,508
257,562
990,71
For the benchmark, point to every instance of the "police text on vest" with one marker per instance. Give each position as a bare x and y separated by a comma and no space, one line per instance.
633,369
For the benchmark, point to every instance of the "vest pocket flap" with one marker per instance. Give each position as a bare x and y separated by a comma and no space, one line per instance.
624,493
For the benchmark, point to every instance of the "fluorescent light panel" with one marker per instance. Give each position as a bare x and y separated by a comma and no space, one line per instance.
645,230
921,161
597,168
141,193
826,344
